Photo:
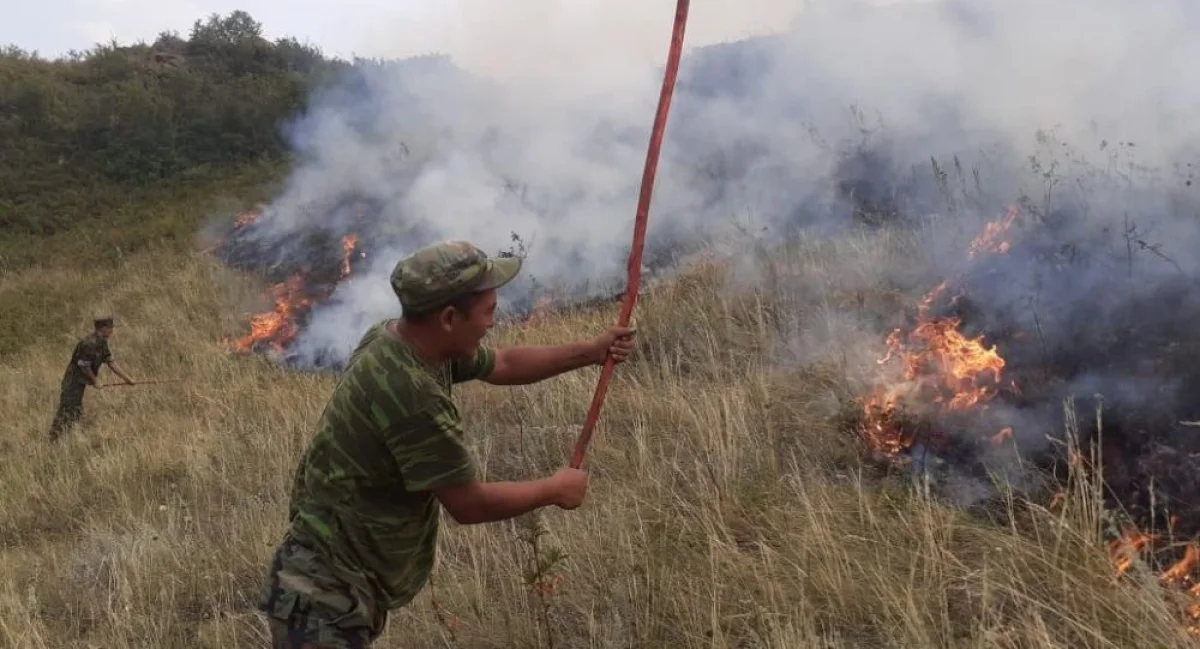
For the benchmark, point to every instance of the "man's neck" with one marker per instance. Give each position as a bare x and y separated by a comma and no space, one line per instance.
419,341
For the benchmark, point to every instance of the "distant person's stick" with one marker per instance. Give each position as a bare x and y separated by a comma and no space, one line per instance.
147,382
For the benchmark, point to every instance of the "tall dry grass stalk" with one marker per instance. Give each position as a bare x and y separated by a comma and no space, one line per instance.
726,507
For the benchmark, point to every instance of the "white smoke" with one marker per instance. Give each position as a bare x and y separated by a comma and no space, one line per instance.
541,123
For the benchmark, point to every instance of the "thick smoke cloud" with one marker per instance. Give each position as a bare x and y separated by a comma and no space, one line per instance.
840,111
567,48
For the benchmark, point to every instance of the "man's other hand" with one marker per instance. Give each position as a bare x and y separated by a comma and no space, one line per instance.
617,342
571,487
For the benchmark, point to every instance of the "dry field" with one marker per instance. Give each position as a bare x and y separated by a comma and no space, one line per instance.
727,508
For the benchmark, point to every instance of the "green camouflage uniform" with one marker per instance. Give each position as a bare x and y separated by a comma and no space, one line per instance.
91,352
363,517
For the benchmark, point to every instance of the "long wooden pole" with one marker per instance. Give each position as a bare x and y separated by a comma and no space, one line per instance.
634,269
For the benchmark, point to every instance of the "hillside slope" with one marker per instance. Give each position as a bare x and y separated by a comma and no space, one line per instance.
728,508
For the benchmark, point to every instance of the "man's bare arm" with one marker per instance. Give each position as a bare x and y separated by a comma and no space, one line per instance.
525,364
119,372
486,502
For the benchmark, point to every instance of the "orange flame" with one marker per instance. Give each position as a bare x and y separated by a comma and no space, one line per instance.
942,368
1182,570
1180,574
246,218
1124,550
947,371
961,362
1004,435
240,221
349,243
278,328
987,240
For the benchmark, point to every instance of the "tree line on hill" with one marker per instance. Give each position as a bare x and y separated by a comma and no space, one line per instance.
79,133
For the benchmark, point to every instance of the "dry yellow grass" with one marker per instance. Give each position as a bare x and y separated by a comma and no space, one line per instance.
726,508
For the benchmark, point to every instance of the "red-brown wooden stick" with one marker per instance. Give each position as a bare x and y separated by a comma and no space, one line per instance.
639,226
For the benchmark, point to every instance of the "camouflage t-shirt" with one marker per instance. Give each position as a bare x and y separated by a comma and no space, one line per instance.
91,352
388,436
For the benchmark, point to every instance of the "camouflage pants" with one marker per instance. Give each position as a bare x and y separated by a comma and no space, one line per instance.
307,607
70,408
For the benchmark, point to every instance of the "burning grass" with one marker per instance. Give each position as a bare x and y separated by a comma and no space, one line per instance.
728,507
306,286
942,370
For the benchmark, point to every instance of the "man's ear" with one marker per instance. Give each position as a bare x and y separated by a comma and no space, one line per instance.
447,316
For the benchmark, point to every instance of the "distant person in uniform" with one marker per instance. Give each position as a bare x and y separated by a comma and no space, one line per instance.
83,370
389,453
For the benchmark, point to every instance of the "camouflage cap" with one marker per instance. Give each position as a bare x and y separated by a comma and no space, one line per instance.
439,273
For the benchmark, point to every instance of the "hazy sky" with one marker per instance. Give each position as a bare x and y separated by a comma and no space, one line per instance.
531,32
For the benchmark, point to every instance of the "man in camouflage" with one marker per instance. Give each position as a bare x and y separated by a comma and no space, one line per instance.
83,370
389,453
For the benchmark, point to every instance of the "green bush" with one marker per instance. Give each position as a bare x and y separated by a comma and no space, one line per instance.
80,135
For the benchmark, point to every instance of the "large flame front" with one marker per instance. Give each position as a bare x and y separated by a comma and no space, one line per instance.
942,370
